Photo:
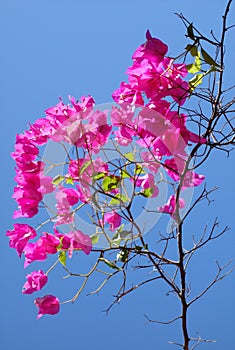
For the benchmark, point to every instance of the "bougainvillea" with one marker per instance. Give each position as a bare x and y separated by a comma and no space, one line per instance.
148,134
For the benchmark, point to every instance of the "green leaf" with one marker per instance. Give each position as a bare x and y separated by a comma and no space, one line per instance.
95,239
98,176
57,179
123,255
125,174
138,249
194,51
147,193
188,47
120,228
196,66
195,81
129,156
208,59
117,233
120,198
69,181
110,264
62,258
111,182
190,31
120,235
85,166
139,170
61,244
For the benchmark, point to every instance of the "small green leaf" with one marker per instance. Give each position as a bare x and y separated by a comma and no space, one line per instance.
129,156
120,235
139,170
194,51
116,235
62,258
125,233
95,239
69,181
195,81
196,66
120,228
85,166
138,249
188,47
147,193
190,31
111,264
208,59
119,198
98,176
59,247
125,174
57,179
123,255
111,182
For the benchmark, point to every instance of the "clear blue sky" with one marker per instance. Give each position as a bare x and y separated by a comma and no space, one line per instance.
60,47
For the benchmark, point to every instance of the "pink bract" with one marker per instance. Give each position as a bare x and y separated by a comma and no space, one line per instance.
153,49
36,280
80,241
113,219
48,304
170,206
20,236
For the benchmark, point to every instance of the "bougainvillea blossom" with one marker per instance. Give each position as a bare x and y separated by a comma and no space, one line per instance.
147,118
36,280
113,219
20,236
49,304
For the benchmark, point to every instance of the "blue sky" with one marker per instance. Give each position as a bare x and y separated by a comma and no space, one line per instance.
60,47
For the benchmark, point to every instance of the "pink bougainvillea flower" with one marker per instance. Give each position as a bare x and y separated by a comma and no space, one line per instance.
66,198
175,168
79,241
37,251
75,167
84,103
122,115
48,304
180,91
124,135
46,185
36,280
153,49
40,131
25,150
192,179
71,195
20,236
170,206
34,252
128,94
113,219
27,193
49,242
65,240
147,182
150,161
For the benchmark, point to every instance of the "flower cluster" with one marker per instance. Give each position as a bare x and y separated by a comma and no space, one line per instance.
153,74
160,133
